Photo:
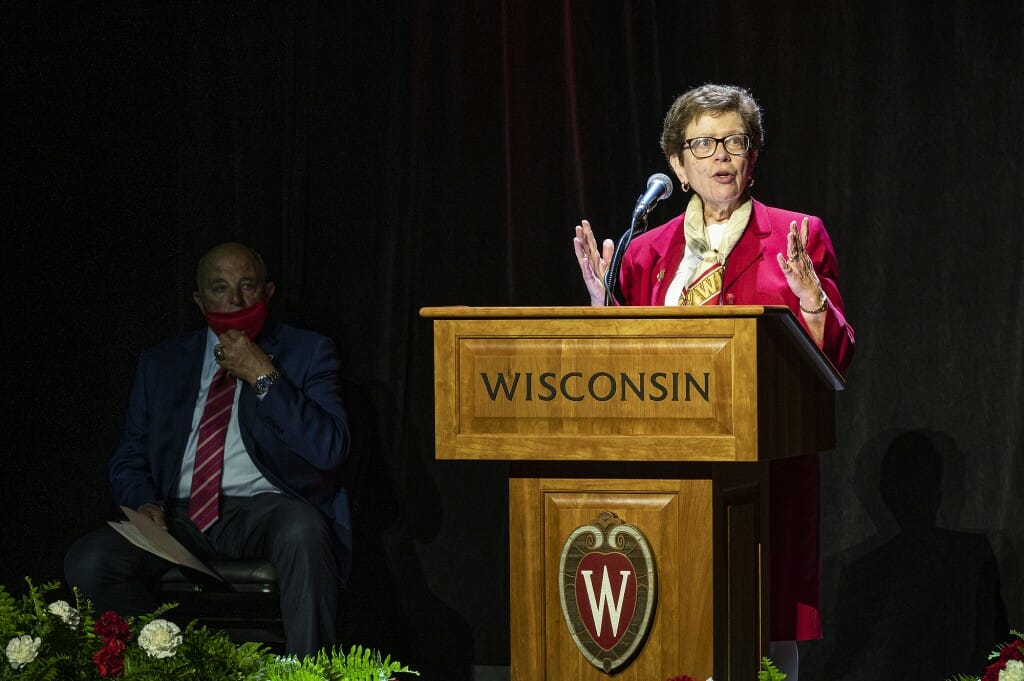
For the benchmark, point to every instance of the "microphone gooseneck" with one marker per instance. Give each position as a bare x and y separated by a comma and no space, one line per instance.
659,187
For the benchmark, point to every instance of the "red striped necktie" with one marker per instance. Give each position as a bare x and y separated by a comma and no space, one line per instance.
204,502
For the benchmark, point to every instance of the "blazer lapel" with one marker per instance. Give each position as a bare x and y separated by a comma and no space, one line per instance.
750,248
666,264
184,404
188,391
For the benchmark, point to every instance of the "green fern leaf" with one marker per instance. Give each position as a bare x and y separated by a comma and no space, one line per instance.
769,672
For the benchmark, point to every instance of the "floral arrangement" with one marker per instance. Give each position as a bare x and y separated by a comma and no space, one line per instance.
59,642
768,672
1007,662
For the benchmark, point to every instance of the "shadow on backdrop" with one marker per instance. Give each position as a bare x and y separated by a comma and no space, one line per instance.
926,602
388,604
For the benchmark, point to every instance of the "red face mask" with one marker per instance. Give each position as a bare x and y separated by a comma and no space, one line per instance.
249,321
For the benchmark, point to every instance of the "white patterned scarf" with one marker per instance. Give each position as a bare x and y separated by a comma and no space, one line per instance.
705,288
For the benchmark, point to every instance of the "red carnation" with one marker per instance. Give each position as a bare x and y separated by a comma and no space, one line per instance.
1012,651
110,625
109,659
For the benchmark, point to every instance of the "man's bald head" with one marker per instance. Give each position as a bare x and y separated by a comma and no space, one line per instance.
230,249
231,276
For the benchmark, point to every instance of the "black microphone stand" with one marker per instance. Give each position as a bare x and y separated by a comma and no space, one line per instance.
611,277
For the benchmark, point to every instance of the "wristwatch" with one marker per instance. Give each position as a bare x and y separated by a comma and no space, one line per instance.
263,383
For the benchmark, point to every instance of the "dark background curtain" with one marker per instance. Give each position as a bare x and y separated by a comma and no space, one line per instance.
387,156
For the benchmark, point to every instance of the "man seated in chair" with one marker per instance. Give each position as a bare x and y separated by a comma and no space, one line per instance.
234,440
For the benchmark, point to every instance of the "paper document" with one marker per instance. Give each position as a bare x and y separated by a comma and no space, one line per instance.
147,535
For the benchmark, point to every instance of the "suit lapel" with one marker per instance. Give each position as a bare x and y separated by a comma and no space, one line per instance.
247,401
750,248
184,402
667,263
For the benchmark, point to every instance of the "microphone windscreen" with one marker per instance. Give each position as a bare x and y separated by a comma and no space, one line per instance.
663,179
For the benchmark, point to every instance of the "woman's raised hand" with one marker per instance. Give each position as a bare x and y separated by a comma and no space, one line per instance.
803,281
798,269
593,263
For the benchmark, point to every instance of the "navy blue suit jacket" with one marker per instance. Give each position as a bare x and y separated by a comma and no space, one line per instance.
297,434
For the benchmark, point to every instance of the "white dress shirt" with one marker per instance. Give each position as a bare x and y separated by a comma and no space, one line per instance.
240,476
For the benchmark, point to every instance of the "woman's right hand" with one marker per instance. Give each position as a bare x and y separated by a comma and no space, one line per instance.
593,264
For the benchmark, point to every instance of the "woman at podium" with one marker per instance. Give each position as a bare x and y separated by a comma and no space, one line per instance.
729,249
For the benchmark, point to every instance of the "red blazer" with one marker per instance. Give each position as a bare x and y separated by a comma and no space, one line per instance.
753,277
752,274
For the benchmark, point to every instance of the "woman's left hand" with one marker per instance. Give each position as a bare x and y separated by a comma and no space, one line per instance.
798,269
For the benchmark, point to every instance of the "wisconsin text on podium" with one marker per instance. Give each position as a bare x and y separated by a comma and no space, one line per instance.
600,386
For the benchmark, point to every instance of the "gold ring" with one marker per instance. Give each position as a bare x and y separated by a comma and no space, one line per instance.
218,352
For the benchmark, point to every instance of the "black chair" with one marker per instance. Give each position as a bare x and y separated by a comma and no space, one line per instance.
245,605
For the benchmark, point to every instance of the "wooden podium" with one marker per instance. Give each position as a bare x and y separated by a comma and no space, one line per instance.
665,417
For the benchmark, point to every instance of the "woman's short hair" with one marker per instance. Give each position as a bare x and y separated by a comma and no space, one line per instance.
715,100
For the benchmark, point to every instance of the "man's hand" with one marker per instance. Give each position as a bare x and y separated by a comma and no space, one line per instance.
242,358
154,513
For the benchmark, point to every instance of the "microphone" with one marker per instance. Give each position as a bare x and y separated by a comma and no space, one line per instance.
659,187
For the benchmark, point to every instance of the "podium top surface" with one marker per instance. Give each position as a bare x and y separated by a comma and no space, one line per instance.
620,312
777,314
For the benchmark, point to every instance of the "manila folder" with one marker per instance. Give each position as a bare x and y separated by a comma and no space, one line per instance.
140,530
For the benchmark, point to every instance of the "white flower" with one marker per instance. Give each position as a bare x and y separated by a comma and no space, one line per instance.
65,612
21,650
160,638
1014,671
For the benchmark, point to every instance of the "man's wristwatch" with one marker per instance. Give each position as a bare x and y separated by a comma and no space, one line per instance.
263,383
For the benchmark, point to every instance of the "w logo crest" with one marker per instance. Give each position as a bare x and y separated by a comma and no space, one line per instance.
607,590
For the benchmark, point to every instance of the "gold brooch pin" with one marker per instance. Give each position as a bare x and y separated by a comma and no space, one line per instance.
661,275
